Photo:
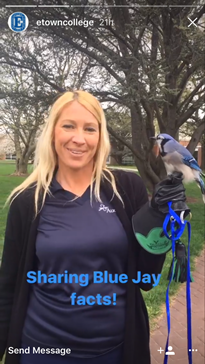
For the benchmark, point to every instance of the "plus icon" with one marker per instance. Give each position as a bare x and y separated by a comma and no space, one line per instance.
160,350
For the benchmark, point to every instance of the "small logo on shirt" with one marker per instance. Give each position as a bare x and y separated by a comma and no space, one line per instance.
106,209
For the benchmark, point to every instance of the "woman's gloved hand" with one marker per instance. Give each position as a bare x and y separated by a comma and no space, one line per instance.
148,222
172,190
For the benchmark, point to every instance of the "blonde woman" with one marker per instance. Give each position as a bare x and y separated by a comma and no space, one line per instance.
69,245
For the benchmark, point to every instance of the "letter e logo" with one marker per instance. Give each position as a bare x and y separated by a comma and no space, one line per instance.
18,22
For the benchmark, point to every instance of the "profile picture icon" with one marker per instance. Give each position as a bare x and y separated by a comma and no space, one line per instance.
18,22
170,352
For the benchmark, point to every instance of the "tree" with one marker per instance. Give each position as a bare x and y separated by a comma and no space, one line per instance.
118,122
26,97
6,145
22,113
148,54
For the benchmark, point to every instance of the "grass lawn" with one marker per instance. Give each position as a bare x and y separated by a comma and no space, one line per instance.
156,297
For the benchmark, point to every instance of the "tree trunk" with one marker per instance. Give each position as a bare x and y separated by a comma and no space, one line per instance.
195,139
203,153
21,166
141,145
23,163
158,166
118,159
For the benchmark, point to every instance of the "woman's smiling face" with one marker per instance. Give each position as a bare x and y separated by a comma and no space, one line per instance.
76,137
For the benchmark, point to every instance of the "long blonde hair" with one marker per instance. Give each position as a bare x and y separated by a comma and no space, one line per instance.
45,160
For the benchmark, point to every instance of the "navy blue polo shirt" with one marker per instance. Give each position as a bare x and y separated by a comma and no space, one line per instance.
75,237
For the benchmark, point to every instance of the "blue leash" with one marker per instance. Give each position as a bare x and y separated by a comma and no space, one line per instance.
175,235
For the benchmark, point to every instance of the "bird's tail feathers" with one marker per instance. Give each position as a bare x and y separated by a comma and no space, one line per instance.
201,185
202,174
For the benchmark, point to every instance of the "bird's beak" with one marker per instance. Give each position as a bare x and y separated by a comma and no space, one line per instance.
153,137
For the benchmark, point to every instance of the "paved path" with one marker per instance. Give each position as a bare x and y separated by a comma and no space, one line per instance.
178,336
124,168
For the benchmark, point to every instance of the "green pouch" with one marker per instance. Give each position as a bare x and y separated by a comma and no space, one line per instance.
147,225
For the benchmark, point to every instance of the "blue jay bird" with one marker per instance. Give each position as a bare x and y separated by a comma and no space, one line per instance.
178,158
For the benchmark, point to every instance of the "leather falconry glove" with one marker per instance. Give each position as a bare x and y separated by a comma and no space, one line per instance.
170,189
148,221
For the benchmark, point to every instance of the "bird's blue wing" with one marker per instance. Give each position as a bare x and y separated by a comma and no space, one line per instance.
187,157
173,145
192,163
